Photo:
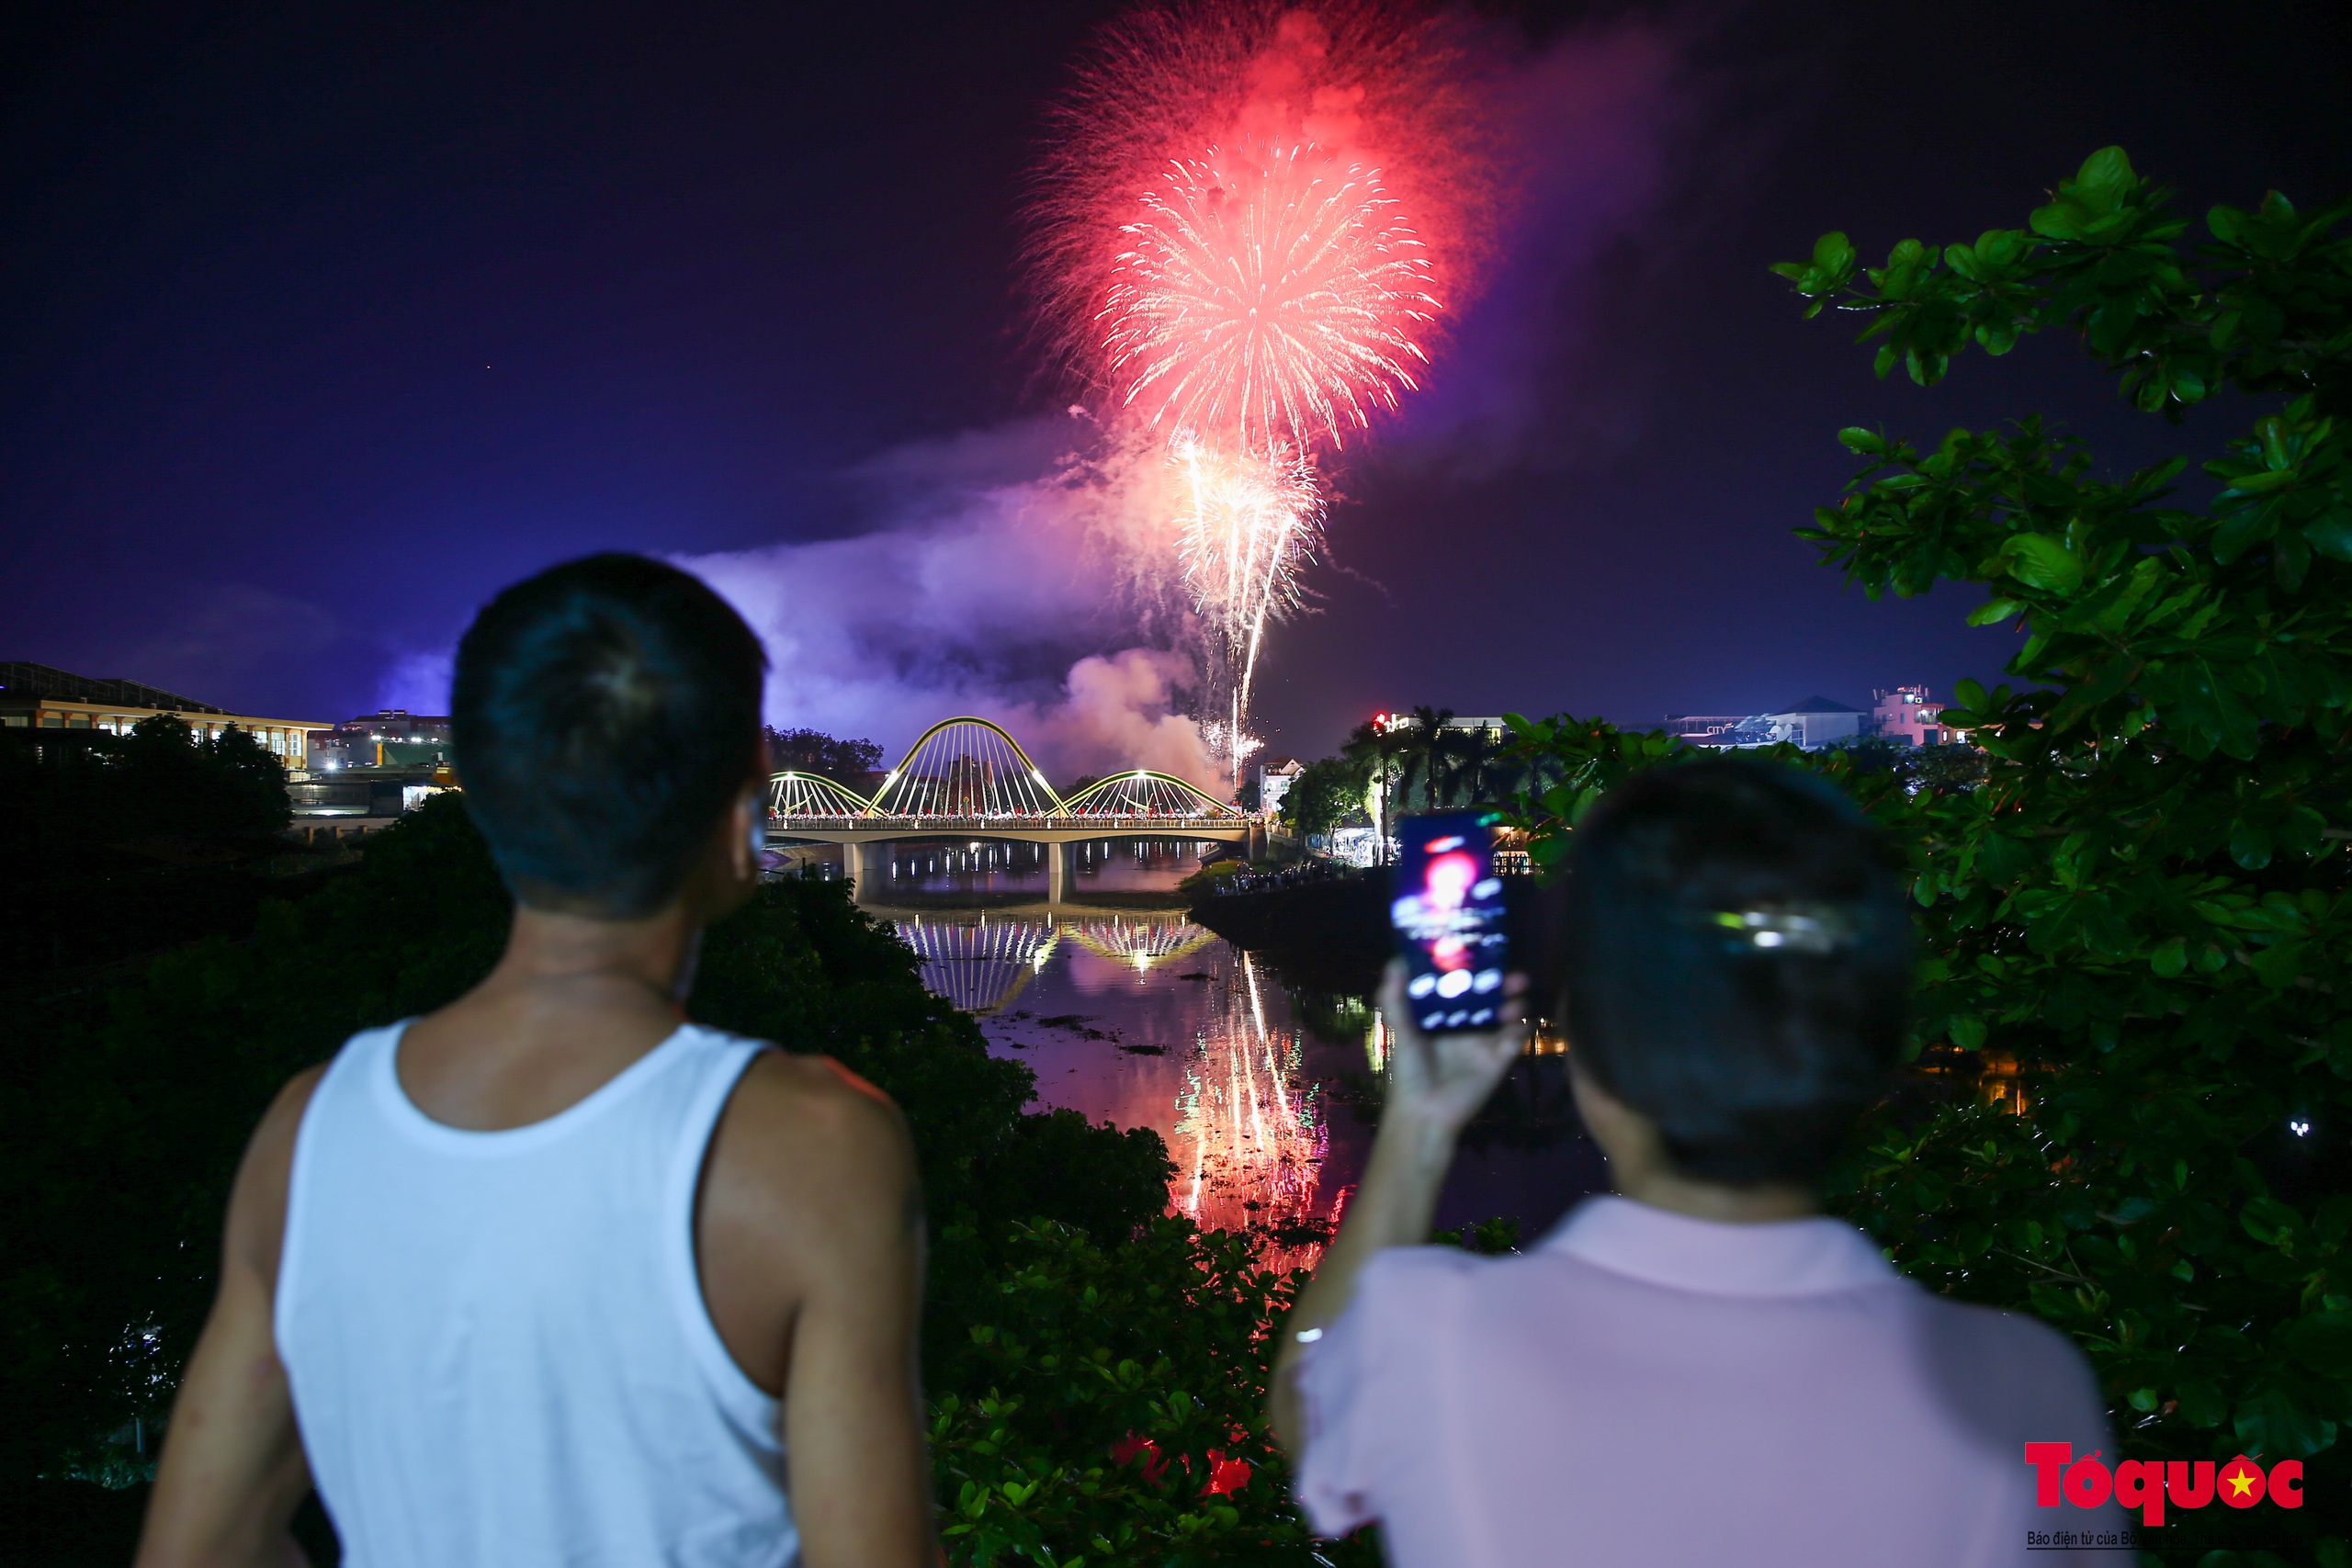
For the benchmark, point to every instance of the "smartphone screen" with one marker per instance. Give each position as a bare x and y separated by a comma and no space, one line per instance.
1447,908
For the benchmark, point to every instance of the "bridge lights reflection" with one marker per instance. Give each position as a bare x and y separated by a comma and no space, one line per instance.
1225,1079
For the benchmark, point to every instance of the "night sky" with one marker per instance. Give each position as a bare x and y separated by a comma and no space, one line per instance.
322,322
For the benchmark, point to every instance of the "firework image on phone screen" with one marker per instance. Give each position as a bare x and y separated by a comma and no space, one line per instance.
1447,908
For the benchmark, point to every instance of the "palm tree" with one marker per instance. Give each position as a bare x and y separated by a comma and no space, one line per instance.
1378,749
1429,747
1474,754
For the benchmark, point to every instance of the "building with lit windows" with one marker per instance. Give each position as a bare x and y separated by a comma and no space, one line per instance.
1491,726
1909,717
378,765
1275,775
387,737
35,696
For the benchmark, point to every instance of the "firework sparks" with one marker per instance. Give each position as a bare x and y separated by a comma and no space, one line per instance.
1272,299
1230,744
1242,235
1246,527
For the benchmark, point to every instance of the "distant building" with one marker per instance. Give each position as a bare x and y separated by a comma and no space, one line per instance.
1818,722
366,791
1275,775
388,738
1812,724
1702,729
379,764
35,696
1908,715
1494,726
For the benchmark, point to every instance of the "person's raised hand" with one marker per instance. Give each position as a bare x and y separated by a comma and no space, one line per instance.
1441,1079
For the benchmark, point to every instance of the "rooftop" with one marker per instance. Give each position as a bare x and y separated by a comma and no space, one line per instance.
21,678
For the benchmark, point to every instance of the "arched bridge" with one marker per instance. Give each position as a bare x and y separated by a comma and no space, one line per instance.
967,778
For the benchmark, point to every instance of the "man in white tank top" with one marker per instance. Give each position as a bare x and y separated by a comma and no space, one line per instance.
552,1275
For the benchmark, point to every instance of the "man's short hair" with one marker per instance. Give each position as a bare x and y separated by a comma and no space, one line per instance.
605,716
1735,950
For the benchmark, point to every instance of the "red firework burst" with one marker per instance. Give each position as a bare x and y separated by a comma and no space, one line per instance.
1315,165
1270,294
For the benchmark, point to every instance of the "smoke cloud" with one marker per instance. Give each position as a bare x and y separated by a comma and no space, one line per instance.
1594,129
981,594
417,681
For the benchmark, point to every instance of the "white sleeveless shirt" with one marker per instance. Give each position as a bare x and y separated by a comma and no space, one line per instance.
497,1342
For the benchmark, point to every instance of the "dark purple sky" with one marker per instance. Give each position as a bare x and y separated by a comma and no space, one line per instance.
320,323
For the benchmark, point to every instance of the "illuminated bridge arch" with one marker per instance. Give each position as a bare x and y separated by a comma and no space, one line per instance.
1142,793
808,795
966,767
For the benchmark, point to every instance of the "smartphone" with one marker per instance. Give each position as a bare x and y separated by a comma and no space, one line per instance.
1446,905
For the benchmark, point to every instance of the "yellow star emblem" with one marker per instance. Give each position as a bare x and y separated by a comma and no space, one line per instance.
2239,1483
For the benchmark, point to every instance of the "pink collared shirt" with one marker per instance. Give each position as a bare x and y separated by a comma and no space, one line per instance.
1645,1388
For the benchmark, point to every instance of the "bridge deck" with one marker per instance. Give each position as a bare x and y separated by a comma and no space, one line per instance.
1038,830
867,859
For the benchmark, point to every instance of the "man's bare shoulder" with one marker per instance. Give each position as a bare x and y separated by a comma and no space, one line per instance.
809,1127
256,1227
812,1095
808,1197
284,1117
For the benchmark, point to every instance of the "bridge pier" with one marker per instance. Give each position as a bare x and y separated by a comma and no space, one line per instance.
868,865
1061,865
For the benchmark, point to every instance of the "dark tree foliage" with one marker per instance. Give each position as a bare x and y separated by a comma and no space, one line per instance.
62,791
113,845
813,751
123,1108
1418,763
1115,1411
1947,767
1327,794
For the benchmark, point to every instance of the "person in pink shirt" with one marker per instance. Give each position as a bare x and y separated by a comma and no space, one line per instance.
1699,1369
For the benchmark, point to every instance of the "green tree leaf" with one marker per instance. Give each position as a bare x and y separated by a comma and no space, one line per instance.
2040,562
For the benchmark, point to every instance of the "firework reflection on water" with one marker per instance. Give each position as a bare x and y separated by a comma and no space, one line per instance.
1145,1020
1250,1137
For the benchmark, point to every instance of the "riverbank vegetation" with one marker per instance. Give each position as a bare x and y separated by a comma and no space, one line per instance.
1408,761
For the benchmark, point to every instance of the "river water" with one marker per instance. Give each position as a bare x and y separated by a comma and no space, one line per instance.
1266,1092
